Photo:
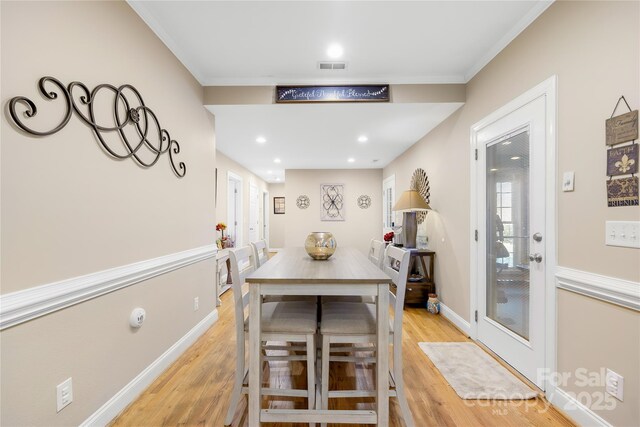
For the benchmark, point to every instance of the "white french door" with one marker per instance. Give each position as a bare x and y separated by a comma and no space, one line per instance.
511,248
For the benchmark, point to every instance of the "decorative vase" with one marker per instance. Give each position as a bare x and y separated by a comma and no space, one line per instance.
320,245
433,305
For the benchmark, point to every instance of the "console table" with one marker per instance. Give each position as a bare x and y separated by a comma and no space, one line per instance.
422,263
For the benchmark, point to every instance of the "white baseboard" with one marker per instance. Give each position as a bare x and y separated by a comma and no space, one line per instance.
454,318
575,410
131,391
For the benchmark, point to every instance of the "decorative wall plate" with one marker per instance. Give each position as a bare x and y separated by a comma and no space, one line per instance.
364,202
420,183
303,202
332,202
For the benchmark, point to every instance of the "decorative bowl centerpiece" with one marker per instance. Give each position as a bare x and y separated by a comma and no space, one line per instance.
320,245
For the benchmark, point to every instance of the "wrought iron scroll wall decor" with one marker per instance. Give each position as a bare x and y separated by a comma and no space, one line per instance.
126,112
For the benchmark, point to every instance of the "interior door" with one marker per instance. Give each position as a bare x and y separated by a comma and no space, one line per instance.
254,217
511,247
265,216
234,210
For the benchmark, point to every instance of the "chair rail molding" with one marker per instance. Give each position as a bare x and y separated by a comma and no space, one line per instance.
22,306
621,292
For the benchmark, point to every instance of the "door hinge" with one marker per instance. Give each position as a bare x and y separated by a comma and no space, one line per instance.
476,154
476,315
476,235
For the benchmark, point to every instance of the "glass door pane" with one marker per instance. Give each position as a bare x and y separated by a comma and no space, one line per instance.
508,233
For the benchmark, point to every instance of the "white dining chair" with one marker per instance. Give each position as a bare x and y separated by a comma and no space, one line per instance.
355,323
260,252
291,322
376,252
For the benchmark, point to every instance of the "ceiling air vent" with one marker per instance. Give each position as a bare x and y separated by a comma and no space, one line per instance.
332,65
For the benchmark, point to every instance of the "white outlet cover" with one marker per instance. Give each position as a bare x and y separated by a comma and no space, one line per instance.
567,181
64,394
615,384
138,315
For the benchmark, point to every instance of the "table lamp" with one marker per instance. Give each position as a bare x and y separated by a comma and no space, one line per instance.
409,203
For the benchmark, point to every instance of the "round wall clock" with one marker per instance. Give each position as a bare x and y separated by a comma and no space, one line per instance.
420,183
364,202
303,202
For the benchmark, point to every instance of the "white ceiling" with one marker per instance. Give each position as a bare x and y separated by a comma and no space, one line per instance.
281,42
322,136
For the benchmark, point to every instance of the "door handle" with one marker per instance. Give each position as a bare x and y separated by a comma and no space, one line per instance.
535,257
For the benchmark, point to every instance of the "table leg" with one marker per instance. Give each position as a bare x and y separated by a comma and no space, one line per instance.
255,308
382,374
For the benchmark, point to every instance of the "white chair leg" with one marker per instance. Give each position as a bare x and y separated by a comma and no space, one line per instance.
324,381
311,370
237,385
399,380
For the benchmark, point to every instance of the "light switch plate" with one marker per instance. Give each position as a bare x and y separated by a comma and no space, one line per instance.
567,181
623,233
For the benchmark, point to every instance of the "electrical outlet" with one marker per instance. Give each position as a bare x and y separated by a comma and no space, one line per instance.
196,303
64,394
615,384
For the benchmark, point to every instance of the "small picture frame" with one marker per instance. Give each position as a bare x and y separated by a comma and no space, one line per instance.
278,205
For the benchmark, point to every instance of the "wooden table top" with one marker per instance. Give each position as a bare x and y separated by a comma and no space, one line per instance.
294,265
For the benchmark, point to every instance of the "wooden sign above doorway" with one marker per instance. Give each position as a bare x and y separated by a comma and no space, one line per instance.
359,93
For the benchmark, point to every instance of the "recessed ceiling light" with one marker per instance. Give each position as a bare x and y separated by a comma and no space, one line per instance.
493,170
335,51
261,140
363,138
351,160
506,142
276,160
269,172
277,179
515,157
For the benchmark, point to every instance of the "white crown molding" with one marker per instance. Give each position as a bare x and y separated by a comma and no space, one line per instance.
22,306
456,319
519,27
107,412
571,407
621,292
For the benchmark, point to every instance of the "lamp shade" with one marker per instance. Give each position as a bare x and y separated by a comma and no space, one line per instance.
411,201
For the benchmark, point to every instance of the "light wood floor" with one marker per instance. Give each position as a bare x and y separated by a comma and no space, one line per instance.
195,390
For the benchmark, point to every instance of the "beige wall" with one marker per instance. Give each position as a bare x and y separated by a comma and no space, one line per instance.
68,209
226,165
277,223
594,49
360,225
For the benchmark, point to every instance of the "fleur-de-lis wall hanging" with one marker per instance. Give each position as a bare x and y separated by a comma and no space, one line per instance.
622,159
136,126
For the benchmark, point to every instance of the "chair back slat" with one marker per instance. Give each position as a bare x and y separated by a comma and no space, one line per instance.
260,252
242,264
376,252
396,266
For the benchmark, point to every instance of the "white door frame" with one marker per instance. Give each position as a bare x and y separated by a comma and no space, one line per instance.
235,177
547,89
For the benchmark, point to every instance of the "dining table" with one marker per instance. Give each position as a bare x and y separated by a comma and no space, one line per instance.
293,272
